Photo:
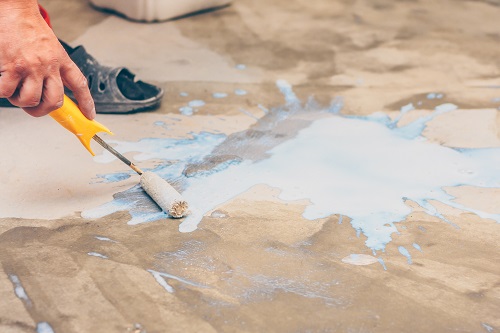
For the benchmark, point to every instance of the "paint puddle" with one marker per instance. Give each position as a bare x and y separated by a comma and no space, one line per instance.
363,167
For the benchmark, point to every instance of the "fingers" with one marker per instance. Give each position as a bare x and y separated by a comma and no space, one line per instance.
74,79
9,81
41,93
28,93
52,98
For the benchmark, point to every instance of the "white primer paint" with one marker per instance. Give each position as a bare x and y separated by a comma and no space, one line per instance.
362,167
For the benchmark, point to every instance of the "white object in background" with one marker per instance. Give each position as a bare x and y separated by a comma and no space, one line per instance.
157,10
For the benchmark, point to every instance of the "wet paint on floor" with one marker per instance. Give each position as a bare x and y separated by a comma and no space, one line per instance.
363,167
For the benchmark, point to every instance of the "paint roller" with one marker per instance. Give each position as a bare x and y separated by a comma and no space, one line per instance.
165,196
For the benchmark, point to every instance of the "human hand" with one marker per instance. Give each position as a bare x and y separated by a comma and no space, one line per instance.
34,67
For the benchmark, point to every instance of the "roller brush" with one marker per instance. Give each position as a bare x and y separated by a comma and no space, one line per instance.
165,196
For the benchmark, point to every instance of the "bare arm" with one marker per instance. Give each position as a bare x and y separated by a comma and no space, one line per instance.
34,67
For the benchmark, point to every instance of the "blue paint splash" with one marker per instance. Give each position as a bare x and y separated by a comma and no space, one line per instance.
241,66
367,171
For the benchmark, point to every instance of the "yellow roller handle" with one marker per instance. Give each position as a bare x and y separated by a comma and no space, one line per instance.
71,118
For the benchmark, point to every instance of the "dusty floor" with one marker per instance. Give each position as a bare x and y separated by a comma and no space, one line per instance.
255,264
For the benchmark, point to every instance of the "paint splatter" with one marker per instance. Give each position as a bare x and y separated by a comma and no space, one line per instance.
245,112
186,110
240,92
219,95
95,254
405,252
44,327
105,239
434,96
263,108
183,94
218,214
359,259
114,177
407,108
416,246
189,109
196,103
160,278
487,327
19,289
370,167
382,262
241,66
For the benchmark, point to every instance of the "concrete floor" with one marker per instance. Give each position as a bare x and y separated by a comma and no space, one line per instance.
255,264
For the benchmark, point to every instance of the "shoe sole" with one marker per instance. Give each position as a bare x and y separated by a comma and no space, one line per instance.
157,10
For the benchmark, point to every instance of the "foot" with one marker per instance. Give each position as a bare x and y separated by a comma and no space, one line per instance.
114,89
157,10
